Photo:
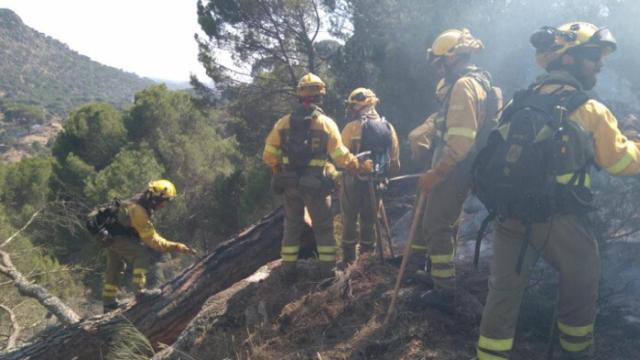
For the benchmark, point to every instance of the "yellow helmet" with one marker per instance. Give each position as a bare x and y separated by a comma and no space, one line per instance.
551,43
163,189
361,98
453,42
310,85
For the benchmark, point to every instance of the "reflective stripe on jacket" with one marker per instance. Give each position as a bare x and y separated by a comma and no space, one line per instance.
613,152
325,140
464,115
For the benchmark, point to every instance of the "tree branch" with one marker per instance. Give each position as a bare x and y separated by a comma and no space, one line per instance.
13,338
281,44
26,288
6,242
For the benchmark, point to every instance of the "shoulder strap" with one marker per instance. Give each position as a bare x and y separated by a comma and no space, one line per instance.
575,100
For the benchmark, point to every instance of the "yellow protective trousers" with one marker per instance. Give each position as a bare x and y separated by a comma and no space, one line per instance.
436,235
355,200
568,245
124,250
319,206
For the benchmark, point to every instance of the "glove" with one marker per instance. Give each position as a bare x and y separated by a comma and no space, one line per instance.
352,166
365,167
182,248
433,177
428,180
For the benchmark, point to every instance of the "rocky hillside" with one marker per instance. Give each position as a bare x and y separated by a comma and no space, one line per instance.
38,69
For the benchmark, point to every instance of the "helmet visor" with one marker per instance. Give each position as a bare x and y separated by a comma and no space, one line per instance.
605,39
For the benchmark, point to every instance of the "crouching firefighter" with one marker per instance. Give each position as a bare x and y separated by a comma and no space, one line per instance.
297,149
466,115
534,177
365,132
130,237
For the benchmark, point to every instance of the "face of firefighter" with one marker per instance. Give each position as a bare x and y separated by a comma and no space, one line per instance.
159,205
438,67
452,67
585,67
350,114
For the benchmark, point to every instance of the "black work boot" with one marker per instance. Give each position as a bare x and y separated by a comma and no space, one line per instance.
289,272
348,256
109,307
443,299
415,264
146,294
365,249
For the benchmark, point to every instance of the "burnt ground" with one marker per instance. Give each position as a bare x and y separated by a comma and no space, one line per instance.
262,318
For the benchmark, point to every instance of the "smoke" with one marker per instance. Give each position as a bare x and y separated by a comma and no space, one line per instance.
506,25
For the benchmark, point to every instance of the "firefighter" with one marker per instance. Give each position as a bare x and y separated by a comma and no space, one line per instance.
297,149
572,55
132,238
461,116
355,198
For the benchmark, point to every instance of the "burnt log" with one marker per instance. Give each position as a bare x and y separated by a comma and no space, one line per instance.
162,318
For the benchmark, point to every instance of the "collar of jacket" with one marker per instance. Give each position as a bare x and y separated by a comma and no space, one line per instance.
449,81
301,112
558,77
368,113
144,200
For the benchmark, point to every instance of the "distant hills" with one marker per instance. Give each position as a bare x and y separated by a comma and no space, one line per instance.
39,70
42,80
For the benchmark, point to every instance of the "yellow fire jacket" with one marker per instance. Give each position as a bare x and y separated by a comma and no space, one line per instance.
352,135
612,150
465,114
138,218
325,140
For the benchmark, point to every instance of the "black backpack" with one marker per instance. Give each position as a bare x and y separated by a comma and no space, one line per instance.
103,220
298,145
377,138
514,174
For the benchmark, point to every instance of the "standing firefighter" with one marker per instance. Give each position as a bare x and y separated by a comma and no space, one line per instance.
130,236
298,149
533,175
469,101
366,131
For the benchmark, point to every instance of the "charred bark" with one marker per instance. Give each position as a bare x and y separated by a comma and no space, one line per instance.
162,318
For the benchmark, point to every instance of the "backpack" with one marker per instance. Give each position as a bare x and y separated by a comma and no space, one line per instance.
514,174
103,220
377,138
298,145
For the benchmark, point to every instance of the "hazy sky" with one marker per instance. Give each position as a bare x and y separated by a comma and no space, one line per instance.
152,38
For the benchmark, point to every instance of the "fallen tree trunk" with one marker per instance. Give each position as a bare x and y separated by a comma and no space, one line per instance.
161,319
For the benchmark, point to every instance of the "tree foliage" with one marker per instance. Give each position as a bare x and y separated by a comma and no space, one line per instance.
25,186
95,133
127,174
272,44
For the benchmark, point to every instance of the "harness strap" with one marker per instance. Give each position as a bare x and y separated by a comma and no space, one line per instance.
524,246
483,227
